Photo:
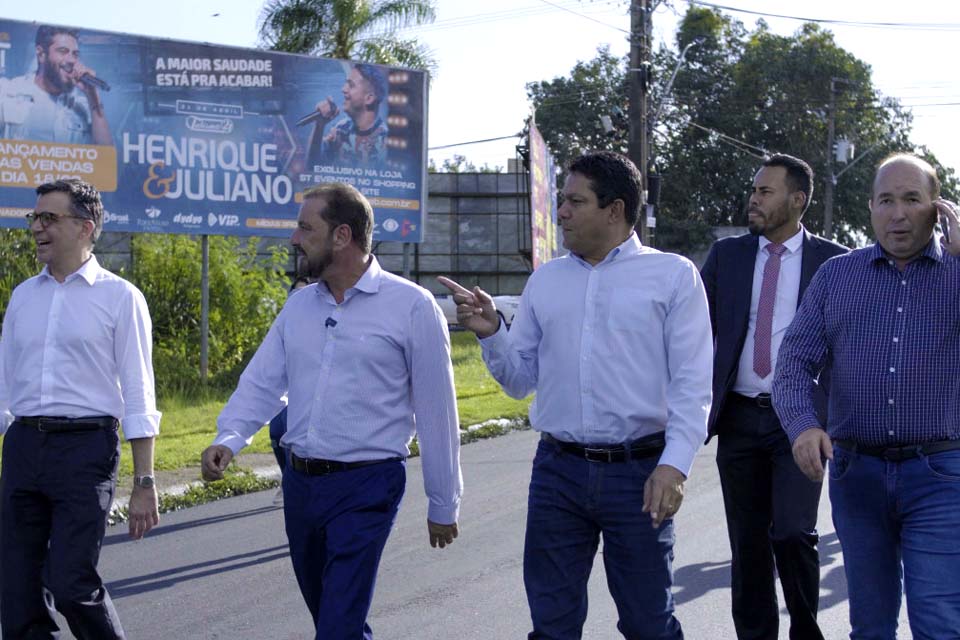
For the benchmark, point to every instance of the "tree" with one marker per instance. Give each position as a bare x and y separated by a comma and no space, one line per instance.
570,111
739,95
349,29
246,293
18,261
460,164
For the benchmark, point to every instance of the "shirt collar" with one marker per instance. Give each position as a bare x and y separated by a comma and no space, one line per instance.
629,247
793,243
88,271
932,251
369,282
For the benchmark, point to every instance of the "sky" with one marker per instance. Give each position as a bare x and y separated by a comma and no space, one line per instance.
488,51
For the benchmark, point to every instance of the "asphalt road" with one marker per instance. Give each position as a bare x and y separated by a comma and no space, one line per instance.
221,570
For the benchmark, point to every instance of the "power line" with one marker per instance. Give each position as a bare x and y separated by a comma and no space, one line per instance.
577,13
920,26
734,142
461,144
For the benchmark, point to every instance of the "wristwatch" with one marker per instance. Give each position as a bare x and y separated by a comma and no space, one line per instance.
144,482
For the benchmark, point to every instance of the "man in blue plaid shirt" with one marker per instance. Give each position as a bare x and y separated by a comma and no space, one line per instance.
888,319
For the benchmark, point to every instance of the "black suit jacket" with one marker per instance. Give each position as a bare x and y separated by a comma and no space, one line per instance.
728,277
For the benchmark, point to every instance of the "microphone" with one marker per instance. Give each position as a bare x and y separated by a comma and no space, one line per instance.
316,115
330,323
94,81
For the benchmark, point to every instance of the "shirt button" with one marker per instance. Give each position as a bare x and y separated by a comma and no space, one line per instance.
892,369
890,432
903,282
899,309
890,401
896,339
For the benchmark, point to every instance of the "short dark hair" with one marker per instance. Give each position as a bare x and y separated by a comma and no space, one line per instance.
46,33
376,79
84,200
346,205
613,176
799,175
915,160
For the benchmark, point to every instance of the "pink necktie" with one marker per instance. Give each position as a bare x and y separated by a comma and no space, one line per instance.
768,297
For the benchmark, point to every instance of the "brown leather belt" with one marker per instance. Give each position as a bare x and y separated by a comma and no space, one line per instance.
63,424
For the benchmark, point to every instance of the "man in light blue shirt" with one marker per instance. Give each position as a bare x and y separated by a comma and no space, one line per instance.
364,358
615,339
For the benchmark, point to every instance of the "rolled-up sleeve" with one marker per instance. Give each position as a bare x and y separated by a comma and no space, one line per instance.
133,350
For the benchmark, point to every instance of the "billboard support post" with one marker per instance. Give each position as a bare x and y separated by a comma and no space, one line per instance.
204,303
406,260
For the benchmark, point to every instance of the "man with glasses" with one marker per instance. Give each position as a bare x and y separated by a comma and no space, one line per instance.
75,360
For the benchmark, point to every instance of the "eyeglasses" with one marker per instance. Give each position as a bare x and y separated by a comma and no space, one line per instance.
47,218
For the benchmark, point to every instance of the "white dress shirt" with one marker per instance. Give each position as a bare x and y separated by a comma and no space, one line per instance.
79,348
362,377
748,383
615,351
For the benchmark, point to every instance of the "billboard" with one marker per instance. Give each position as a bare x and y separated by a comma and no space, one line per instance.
199,139
543,200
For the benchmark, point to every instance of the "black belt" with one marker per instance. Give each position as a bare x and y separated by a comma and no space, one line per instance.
319,467
898,453
62,424
643,448
761,401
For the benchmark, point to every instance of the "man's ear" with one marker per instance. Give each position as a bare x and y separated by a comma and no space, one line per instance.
342,236
799,199
617,211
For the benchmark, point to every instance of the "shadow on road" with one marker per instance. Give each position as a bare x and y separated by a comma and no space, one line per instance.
118,538
695,580
171,577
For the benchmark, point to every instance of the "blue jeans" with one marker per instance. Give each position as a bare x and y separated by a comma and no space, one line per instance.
572,503
337,525
899,526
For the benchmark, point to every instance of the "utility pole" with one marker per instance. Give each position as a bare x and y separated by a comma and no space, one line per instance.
828,164
638,146
831,181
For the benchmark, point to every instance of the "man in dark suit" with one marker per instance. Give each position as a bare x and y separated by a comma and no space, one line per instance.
754,284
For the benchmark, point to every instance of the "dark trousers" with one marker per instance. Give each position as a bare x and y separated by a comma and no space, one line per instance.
337,525
771,510
573,502
57,492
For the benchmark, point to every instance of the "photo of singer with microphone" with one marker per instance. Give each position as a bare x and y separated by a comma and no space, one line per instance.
60,102
359,138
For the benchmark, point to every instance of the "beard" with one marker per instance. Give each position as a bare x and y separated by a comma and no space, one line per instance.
314,266
51,73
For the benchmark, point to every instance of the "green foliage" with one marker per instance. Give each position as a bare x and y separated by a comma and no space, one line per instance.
349,29
18,261
246,293
459,164
568,109
738,95
236,482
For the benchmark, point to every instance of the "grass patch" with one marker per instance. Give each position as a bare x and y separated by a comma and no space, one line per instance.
189,423
236,482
